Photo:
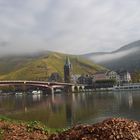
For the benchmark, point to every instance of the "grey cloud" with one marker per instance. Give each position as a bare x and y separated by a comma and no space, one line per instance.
4,44
77,26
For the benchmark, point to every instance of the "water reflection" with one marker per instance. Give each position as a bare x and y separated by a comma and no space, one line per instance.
130,100
64,110
36,97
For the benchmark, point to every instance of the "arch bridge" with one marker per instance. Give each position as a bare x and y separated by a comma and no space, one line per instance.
49,86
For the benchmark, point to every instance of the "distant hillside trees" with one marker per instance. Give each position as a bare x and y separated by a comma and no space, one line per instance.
135,76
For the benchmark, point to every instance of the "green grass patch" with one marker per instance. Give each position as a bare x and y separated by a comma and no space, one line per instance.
31,126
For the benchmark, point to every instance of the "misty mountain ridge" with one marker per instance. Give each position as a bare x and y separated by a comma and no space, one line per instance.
127,57
42,65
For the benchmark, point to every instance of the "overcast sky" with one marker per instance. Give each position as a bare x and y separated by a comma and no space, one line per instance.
70,26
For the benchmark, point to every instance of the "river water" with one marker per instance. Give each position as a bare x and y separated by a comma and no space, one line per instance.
65,110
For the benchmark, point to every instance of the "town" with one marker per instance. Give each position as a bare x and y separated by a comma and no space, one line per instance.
106,80
100,80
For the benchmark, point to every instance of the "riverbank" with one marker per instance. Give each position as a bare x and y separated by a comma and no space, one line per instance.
17,130
110,129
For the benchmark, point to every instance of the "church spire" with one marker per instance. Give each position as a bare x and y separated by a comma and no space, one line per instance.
67,62
67,70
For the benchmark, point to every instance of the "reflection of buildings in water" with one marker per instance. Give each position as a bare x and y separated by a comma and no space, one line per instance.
70,102
25,109
56,102
118,98
124,98
73,98
53,98
56,99
78,100
127,99
82,100
19,96
74,101
55,108
130,100
83,96
69,114
36,97
75,104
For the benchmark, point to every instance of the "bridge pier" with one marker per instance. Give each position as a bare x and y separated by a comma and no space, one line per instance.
68,89
52,93
78,88
75,88
52,90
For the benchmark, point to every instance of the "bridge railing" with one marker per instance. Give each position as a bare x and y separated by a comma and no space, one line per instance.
36,82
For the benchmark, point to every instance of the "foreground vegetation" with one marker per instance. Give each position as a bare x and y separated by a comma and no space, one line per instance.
136,76
10,129
110,129
15,129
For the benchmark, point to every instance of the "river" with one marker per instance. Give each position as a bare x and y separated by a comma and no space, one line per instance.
65,110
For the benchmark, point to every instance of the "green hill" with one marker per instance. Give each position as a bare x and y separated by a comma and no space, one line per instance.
40,67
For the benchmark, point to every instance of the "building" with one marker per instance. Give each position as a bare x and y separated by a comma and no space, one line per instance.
67,71
74,78
113,75
107,75
55,77
85,80
106,79
101,75
125,76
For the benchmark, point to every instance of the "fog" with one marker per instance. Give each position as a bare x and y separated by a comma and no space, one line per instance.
112,56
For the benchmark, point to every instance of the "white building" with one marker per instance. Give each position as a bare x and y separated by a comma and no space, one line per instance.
125,76
113,75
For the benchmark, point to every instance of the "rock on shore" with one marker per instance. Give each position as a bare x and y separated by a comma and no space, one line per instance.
110,129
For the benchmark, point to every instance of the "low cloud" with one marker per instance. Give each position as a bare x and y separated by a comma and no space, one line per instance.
112,56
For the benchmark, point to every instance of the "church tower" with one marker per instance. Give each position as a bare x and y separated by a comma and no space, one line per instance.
67,71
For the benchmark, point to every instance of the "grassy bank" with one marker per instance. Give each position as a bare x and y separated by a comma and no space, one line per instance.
110,129
16,129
